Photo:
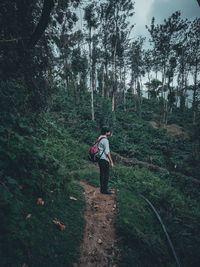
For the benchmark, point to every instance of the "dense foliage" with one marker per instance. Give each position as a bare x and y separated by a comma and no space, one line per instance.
36,161
58,86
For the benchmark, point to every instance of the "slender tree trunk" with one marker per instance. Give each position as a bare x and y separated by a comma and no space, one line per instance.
114,75
141,88
90,71
182,78
106,89
167,106
103,83
113,101
132,83
163,81
162,115
149,76
124,87
75,90
132,88
194,103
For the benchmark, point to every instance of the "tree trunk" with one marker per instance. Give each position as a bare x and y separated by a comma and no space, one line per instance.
90,71
113,76
162,117
113,101
132,162
75,90
132,83
43,22
103,82
124,87
106,89
194,103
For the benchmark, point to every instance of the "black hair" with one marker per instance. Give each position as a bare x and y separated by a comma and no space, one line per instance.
105,129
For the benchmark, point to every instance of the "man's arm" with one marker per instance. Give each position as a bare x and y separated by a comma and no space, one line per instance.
110,159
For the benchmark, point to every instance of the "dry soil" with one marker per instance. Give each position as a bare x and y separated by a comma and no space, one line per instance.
99,247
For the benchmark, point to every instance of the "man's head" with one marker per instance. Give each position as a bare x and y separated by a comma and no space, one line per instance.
105,131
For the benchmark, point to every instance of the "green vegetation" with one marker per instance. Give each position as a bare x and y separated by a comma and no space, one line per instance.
56,93
42,156
142,237
175,195
36,161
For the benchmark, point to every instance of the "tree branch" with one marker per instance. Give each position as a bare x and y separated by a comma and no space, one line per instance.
132,162
11,40
43,22
141,164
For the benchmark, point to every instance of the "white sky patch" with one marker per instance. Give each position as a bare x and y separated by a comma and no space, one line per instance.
140,18
160,9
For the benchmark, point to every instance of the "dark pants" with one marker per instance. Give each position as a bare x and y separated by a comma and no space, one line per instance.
104,174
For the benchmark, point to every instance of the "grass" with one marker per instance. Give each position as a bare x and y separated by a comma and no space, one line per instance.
42,243
47,159
90,175
142,239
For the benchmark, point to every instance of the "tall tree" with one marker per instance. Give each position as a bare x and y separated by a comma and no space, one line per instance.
25,45
90,17
136,64
118,13
194,44
163,38
148,63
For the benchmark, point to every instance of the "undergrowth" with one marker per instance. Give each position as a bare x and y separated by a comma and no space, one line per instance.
142,238
36,159
43,154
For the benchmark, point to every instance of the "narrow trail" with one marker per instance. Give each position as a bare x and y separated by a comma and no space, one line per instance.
99,247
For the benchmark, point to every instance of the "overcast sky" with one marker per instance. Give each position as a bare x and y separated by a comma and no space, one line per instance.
161,9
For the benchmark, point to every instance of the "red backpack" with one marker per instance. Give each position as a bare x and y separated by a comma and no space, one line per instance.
94,153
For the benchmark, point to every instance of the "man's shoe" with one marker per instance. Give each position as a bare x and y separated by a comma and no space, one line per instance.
108,192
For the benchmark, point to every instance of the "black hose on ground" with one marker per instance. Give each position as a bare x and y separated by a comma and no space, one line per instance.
164,228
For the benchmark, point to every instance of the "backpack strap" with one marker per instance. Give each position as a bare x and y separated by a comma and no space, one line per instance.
98,140
98,143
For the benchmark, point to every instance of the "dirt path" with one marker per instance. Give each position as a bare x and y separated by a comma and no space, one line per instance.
99,247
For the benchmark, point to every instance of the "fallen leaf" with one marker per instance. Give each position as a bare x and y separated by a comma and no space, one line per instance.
62,226
73,198
52,200
40,201
20,187
28,216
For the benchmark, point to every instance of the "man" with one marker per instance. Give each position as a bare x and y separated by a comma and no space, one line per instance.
105,160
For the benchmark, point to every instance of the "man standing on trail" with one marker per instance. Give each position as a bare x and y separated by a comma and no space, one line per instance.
105,160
